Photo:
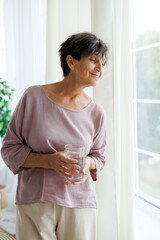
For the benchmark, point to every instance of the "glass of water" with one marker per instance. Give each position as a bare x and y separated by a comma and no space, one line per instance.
78,153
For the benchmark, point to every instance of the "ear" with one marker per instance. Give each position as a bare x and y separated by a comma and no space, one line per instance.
70,62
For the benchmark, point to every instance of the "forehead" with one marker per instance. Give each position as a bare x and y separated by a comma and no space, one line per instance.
98,56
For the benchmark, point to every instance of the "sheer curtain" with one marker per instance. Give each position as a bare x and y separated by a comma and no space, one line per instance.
25,43
111,20
123,89
25,40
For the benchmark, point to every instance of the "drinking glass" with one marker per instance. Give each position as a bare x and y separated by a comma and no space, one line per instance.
78,153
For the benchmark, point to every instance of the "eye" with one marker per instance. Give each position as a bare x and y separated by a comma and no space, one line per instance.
93,60
103,62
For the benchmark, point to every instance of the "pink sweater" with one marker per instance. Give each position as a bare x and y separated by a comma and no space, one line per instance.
40,125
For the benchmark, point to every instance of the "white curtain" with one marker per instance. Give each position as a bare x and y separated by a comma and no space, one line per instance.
25,40
111,20
25,45
123,109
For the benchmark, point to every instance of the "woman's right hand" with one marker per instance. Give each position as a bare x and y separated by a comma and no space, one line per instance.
63,165
57,161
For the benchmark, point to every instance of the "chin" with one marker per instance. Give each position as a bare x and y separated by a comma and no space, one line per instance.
93,84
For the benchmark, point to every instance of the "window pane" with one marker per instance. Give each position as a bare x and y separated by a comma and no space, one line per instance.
147,38
149,175
146,17
148,73
148,124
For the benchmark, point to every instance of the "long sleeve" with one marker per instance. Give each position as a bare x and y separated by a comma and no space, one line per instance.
14,149
98,148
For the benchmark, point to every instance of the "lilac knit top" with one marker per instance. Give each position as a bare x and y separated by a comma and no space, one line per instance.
40,125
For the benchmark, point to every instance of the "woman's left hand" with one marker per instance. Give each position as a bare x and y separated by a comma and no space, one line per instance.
85,172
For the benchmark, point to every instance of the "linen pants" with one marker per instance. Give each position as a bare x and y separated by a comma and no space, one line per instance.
48,221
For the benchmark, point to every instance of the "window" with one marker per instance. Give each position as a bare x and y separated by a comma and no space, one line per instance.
146,59
2,44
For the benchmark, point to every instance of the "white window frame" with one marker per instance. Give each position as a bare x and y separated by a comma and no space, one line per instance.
140,194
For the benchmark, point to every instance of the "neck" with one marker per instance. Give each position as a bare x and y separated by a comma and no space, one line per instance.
68,87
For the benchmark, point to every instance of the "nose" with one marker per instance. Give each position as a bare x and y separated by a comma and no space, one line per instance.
99,66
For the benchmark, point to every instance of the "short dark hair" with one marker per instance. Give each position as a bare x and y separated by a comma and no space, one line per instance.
78,45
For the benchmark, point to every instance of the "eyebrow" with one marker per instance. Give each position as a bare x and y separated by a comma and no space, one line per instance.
101,57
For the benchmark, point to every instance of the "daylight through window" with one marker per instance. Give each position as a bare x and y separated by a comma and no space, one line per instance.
146,64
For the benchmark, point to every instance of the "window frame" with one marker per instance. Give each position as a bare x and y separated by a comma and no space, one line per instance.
149,200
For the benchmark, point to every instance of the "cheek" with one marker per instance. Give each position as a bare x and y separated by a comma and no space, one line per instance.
84,70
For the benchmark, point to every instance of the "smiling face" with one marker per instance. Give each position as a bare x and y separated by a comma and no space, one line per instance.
88,70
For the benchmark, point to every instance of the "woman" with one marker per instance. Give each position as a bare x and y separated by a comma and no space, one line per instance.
46,118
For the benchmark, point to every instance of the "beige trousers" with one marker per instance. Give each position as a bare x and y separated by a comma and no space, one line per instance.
48,221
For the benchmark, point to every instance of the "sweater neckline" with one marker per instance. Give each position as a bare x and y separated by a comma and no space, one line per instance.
67,109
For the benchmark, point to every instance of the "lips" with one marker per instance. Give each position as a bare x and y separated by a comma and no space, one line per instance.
95,74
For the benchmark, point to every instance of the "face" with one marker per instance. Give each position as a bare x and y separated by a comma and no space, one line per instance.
89,69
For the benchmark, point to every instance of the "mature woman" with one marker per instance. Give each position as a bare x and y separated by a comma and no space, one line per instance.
46,118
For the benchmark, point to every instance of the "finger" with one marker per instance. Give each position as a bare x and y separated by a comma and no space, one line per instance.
69,160
65,173
70,172
70,166
74,168
85,171
84,178
67,182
